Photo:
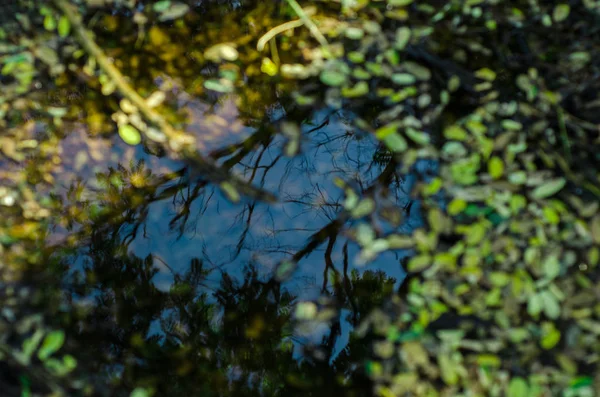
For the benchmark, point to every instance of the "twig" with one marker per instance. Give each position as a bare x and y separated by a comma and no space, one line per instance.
275,31
314,30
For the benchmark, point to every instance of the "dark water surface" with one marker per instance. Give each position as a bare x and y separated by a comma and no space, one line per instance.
163,280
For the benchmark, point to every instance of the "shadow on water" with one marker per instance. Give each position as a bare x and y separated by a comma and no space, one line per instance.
162,280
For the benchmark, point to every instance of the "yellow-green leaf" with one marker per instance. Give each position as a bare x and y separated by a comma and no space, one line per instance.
486,74
550,337
230,191
49,22
64,26
518,387
130,135
496,167
455,132
418,263
456,206
52,343
268,67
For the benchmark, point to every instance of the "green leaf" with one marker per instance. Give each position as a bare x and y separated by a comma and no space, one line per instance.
418,263
420,137
139,392
354,33
395,142
518,387
550,337
52,343
561,12
268,67
130,135
332,78
175,11
361,88
551,306
549,188
511,125
449,374
306,310
223,86
419,71
49,23
496,167
581,381
399,3
456,206
551,267
230,191
365,207
534,305
551,215
284,270
30,344
402,38
161,6
403,78
486,74
455,132
64,26
389,135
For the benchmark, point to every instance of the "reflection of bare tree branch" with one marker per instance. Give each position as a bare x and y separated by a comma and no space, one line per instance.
333,227
348,287
328,262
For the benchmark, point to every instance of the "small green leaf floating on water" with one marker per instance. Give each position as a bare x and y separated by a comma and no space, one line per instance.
230,191
332,78
495,167
64,26
402,38
49,23
30,344
161,6
130,135
518,387
561,12
52,343
549,188
139,392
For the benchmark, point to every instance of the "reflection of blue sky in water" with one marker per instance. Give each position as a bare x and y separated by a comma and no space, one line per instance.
221,234
225,238
216,231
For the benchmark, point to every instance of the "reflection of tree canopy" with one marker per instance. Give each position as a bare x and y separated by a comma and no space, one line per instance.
236,334
235,339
